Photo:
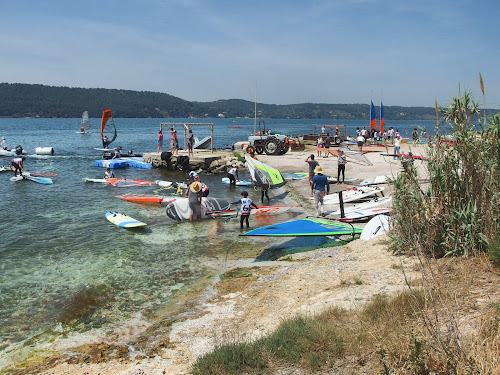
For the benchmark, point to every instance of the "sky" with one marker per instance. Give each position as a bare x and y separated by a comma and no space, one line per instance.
402,52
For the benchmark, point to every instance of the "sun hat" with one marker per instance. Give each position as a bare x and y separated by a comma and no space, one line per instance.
318,169
195,187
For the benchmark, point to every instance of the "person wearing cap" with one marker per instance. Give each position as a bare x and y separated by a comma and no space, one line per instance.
245,208
194,200
17,164
3,144
320,187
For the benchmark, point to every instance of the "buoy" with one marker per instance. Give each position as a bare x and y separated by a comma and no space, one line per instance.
44,151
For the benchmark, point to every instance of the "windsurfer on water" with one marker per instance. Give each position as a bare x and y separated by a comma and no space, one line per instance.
105,141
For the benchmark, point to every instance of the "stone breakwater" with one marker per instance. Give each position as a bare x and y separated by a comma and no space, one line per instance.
208,162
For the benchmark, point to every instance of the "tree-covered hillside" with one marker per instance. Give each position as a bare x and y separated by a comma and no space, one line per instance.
25,100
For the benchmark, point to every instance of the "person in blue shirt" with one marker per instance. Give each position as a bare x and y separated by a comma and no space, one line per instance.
320,187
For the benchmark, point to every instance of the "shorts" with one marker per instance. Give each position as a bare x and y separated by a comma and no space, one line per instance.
319,195
195,209
360,144
311,176
160,143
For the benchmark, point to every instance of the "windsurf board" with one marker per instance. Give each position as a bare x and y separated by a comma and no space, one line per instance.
262,210
375,227
96,180
333,180
361,215
179,209
118,182
363,206
374,181
352,194
238,183
295,175
148,199
124,221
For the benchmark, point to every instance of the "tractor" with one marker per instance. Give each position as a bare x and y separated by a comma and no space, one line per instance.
271,144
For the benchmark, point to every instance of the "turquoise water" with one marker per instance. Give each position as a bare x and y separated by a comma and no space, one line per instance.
63,265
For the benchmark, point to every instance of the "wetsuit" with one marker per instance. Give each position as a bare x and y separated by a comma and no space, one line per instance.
17,163
245,208
232,175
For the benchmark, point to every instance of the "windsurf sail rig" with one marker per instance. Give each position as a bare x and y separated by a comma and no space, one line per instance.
373,117
305,227
263,175
85,122
108,129
381,117
356,155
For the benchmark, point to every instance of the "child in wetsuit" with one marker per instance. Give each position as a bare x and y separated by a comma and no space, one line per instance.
246,207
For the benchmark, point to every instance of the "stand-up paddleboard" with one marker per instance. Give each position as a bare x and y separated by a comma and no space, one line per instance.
361,215
96,180
124,221
179,209
238,183
363,206
118,182
375,227
295,175
352,194
333,180
374,181
148,199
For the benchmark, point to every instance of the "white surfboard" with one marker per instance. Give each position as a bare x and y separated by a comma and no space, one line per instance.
360,215
97,180
333,180
382,202
375,227
124,221
238,183
374,181
351,195
16,178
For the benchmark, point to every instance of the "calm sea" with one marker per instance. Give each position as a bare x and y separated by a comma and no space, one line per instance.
63,267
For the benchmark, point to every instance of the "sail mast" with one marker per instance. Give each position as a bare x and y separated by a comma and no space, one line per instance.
255,112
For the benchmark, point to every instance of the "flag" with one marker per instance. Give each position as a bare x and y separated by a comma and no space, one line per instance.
381,117
373,118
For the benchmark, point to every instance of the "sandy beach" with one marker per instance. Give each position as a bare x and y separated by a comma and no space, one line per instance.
244,308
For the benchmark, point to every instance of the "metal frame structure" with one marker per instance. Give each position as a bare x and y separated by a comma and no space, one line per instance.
187,125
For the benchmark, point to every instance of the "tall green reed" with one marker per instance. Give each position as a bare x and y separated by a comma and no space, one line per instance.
457,212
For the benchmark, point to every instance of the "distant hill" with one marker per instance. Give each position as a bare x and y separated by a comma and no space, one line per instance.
25,100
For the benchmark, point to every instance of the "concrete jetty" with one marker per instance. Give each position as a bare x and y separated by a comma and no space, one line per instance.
206,160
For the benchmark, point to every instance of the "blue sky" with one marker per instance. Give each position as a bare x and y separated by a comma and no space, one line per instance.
325,51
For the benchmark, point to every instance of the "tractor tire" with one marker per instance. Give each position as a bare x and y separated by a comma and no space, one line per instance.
272,146
250,150
284,148
259,150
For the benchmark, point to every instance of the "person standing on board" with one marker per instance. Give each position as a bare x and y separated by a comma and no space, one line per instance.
160,141
245,208
17,164
190,142
341,160
312,164
233,176
3,144
320,187
194,200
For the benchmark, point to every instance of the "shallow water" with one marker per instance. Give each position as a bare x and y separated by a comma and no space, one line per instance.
63,266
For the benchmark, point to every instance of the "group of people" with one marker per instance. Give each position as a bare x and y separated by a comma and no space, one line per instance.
174,141
319,183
